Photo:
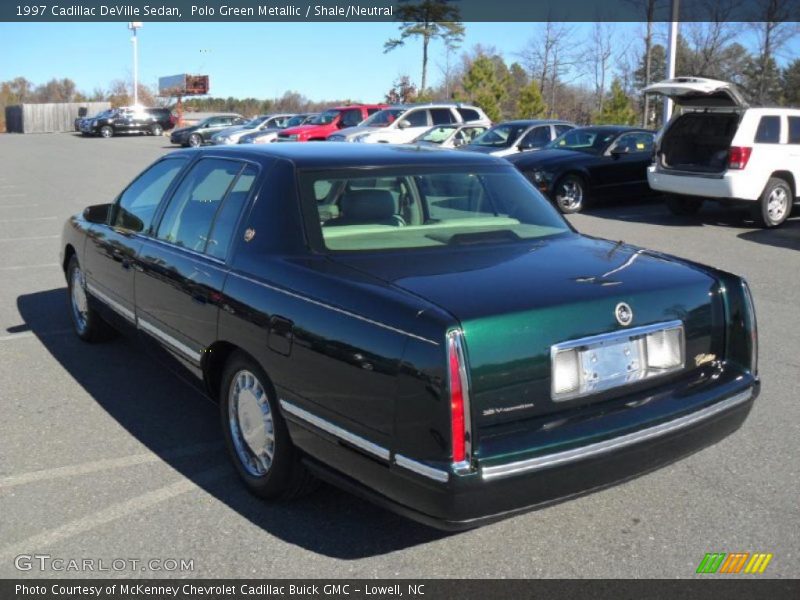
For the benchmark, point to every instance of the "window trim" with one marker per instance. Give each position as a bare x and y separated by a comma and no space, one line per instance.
112,214
151,233
780,130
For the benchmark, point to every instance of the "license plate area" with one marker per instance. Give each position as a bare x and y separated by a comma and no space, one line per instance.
595,364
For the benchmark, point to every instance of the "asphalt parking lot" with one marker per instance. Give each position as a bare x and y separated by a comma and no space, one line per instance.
103,455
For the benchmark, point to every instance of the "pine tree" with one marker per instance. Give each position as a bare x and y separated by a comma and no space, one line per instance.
483,87
530,104
618,109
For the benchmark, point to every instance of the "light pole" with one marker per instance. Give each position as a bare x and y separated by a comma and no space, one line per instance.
133,26
672,52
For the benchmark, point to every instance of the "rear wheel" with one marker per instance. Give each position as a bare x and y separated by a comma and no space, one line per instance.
156,129
106,131
682,206
88,325
775,204
256,435
195,140
569,194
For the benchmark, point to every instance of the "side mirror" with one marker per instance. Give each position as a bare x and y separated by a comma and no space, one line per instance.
97,214
403,124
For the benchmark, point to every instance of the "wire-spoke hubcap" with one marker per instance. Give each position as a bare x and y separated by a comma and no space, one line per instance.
80,307
251,423
777,204
570,195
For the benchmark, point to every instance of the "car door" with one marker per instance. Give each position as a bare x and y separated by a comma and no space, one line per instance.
183,264
536,138
112,247
419,122
626,162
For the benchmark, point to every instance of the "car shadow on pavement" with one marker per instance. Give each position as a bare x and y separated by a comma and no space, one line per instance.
167,414
656,213
785,236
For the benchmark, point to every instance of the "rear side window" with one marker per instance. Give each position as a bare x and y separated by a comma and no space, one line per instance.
227,217
188,218
769,130
137,204
469,114
794,130
442,116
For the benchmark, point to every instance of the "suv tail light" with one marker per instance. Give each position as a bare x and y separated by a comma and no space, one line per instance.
738,157
459,400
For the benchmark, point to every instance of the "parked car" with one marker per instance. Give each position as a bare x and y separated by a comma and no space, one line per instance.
200,133
131,119
328,122
267,136
401,124
505,139
449,136
590,163
81,123
232,135
420,327
716,147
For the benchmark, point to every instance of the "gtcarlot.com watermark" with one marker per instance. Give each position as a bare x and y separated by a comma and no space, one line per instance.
57,564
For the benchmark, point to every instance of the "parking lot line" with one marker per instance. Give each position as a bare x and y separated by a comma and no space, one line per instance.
105,464
28,219
23,267
29,334
30,238
132,506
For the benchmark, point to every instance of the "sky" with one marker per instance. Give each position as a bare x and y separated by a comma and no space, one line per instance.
261,60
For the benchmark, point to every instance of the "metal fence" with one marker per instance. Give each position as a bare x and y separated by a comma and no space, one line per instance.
49,118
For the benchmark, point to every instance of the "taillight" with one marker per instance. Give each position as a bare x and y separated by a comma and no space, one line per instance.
459,399
738,157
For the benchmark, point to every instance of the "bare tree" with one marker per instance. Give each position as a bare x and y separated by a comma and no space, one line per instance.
597,59
773,31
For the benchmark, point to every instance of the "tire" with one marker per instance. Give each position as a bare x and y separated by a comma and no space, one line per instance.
156,129
248,402
569,194
87,323
682,206
775,204
106,131
195,141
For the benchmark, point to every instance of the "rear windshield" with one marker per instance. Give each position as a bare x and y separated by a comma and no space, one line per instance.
419,208
591,141
500,136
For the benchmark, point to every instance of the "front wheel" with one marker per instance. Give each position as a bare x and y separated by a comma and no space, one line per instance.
683,207
775,204
256,435
156,130
88,325
195,140
570,194
106,131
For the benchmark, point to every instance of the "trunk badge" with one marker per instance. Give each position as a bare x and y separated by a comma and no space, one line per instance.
624,314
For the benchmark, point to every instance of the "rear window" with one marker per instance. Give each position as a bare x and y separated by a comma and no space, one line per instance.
469,114
769,130
794,130
406,209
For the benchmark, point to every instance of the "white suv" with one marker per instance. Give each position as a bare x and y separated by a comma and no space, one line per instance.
716,147
402,124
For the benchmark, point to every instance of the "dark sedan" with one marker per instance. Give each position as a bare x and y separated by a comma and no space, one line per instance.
420,327
590,163
200,133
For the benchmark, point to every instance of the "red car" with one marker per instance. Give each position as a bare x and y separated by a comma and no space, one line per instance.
328,122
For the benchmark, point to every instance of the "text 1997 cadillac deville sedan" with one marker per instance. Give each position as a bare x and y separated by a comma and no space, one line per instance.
417,326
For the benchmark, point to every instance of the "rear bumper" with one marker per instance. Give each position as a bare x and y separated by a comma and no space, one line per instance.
730,185
498,490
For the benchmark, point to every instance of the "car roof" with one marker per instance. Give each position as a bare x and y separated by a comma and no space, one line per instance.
533,122
614,128
332,155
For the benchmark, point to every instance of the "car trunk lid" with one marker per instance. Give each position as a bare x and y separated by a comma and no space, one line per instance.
515,302
699,92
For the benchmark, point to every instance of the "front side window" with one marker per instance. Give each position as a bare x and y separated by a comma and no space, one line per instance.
769,130
417,118
326,118
536,137
137,205
351,118
588,139
191,211
632,143
405,209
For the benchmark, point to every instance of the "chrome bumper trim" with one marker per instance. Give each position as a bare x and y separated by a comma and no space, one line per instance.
592,450
335,430
421,469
